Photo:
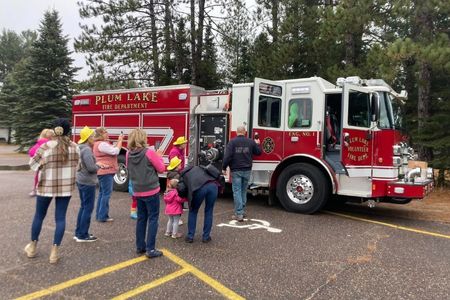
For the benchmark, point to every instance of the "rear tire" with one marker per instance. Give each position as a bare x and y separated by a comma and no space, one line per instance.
121,177
303,188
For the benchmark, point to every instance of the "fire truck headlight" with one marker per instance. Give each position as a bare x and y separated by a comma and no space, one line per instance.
397,149
397,161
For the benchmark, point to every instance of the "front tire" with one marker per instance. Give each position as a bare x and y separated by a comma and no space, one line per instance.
302,188
121,177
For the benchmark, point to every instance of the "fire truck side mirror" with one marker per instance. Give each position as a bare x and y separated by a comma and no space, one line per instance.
374,107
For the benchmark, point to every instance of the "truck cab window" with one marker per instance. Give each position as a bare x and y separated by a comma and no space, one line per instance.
300,113
358,109
269,112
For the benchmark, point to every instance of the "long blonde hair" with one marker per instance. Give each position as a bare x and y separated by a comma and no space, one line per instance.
137,139
63,143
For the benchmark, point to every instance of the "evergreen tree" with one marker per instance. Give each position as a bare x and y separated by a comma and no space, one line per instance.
14,49
182,53
235,35
44,83
208,76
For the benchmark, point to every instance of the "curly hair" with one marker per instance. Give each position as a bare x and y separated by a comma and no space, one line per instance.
137,139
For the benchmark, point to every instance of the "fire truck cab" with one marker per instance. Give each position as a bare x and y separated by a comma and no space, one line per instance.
318,139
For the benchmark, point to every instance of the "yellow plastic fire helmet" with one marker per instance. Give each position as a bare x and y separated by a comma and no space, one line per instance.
180,141
85,133
174,162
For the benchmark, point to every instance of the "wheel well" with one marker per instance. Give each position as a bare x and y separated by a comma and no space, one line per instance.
301,159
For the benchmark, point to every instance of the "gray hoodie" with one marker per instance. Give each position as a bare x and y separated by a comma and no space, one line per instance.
87,171
142,173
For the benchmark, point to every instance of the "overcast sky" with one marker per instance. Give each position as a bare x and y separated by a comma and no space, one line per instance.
19,15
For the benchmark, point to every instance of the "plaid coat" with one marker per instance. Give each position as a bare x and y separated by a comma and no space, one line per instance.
56,179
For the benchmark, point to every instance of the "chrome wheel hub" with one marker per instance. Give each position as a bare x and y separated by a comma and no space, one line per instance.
300,189
122,174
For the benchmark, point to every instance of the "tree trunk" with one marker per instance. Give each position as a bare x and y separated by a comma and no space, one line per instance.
423,106
424,24
193,48
349,41
275,20
154,37
167,38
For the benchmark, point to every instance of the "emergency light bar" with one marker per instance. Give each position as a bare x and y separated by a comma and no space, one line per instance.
300,90
81,102
351,79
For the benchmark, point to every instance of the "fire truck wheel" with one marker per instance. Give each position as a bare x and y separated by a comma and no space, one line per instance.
302,188
121,177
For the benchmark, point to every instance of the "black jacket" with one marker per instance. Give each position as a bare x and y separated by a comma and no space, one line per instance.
239,154
193,178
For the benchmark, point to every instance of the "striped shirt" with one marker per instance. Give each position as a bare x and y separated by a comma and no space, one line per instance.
56,179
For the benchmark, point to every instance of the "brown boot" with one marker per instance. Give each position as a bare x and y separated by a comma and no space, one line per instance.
54,255
30,249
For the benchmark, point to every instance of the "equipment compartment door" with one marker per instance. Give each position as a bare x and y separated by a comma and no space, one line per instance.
268,118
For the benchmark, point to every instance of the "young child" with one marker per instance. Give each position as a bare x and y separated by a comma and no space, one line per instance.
44,137
173,171
174,208
133,210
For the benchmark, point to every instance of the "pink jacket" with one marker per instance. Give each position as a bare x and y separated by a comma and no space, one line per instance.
36,146
176,151
173,203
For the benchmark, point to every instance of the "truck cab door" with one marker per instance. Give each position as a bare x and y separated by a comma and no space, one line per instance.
357,135
268,119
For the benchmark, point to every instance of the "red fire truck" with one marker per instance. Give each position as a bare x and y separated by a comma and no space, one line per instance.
318,139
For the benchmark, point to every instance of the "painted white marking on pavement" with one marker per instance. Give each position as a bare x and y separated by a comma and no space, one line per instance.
260,224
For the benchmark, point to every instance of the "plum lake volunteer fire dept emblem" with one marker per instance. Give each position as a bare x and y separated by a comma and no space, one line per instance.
268,145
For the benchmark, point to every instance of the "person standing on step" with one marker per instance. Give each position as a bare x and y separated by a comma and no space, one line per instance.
143,167
86,182
57,162
105,153
177,150
239,157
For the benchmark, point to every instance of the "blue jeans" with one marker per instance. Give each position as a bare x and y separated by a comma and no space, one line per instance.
87,199
42,204
147,222
239,182
207,192
106,186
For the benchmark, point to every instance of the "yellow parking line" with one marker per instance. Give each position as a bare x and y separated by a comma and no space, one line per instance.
391,225
81,279
223,290
151,285
185,268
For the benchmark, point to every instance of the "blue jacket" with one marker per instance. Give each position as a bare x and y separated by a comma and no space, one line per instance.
239,154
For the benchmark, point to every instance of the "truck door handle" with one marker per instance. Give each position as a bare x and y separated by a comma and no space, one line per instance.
346,139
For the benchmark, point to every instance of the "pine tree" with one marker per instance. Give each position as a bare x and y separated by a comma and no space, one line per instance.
44,88
208,76
14,49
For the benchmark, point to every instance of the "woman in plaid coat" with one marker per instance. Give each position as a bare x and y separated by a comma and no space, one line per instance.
57,163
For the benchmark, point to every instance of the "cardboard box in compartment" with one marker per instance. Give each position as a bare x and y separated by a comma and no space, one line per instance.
423,165
416,163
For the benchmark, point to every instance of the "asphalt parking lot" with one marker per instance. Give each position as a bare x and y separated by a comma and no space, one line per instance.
348,252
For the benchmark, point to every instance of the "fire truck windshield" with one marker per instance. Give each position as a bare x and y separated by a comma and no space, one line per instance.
386,120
